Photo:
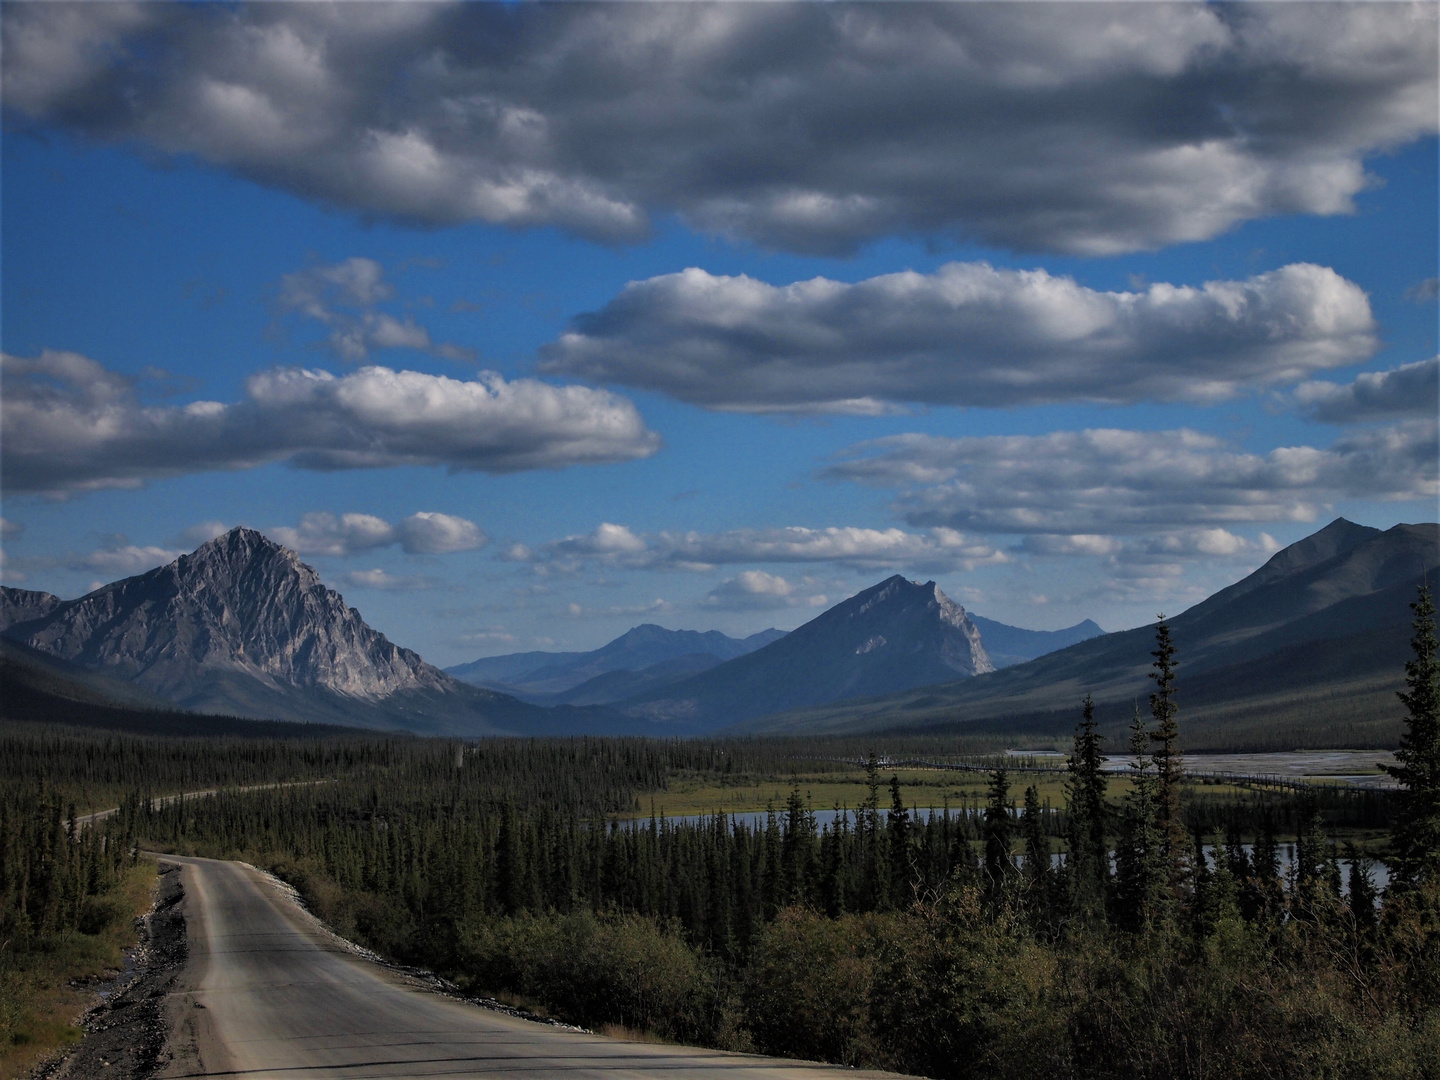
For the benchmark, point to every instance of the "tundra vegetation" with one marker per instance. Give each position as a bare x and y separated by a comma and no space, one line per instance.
1150,925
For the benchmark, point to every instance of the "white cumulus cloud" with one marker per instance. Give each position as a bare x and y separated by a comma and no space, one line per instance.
424,533
71,425
968,334
755,590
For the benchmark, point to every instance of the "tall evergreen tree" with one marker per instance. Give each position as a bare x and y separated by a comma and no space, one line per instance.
999,830
1362,890
1415,835
1037,849
1169,766
897,826
867,827
1087,871
1141,881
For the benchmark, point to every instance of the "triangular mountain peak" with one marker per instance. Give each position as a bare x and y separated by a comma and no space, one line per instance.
893,635
1337,538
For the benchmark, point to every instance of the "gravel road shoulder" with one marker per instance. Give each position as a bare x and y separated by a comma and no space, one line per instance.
125,1031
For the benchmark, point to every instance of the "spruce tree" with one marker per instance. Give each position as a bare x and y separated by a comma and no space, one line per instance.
1037,854
1169,766
897,826
1140,873
867,827
1087,870
1415,834
999,866
1362,890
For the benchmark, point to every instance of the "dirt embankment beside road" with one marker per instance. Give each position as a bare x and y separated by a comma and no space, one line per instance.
125,1031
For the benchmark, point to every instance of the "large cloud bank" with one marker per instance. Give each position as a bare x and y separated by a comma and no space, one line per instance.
968,334
1107,481
1083,128
71,425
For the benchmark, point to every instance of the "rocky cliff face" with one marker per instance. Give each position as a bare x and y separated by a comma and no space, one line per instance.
22,605
240,605
920,621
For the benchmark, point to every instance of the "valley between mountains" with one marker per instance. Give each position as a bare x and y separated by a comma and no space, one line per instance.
1303,649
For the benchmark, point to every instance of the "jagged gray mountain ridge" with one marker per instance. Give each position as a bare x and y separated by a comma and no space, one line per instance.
22,605
242,627
241,604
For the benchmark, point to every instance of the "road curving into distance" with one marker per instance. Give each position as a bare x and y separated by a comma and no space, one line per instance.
268,993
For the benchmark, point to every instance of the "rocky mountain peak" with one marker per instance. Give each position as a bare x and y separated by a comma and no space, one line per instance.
895,635
243,547
239,605
918,615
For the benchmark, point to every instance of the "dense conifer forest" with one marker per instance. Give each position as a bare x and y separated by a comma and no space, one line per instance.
1151,926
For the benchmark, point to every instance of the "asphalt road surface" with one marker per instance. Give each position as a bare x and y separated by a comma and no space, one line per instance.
267,992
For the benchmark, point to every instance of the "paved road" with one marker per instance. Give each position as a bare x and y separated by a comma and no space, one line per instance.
267,993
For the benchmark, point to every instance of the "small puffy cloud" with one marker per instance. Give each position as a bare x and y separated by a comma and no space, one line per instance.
10,529
968,335
124,560
438,534
343,296
419,534
755,590
1074,544
202,533
1411,390
117,558
607,541
70,425
1426,292
326,534
381,579
1105,482
1086,128
488,637
658,606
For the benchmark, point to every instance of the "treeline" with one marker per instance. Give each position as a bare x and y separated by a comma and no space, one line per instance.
583,775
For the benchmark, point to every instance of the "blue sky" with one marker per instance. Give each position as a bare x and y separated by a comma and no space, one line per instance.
1111,303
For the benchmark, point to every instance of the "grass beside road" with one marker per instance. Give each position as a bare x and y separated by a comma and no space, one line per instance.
46,982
